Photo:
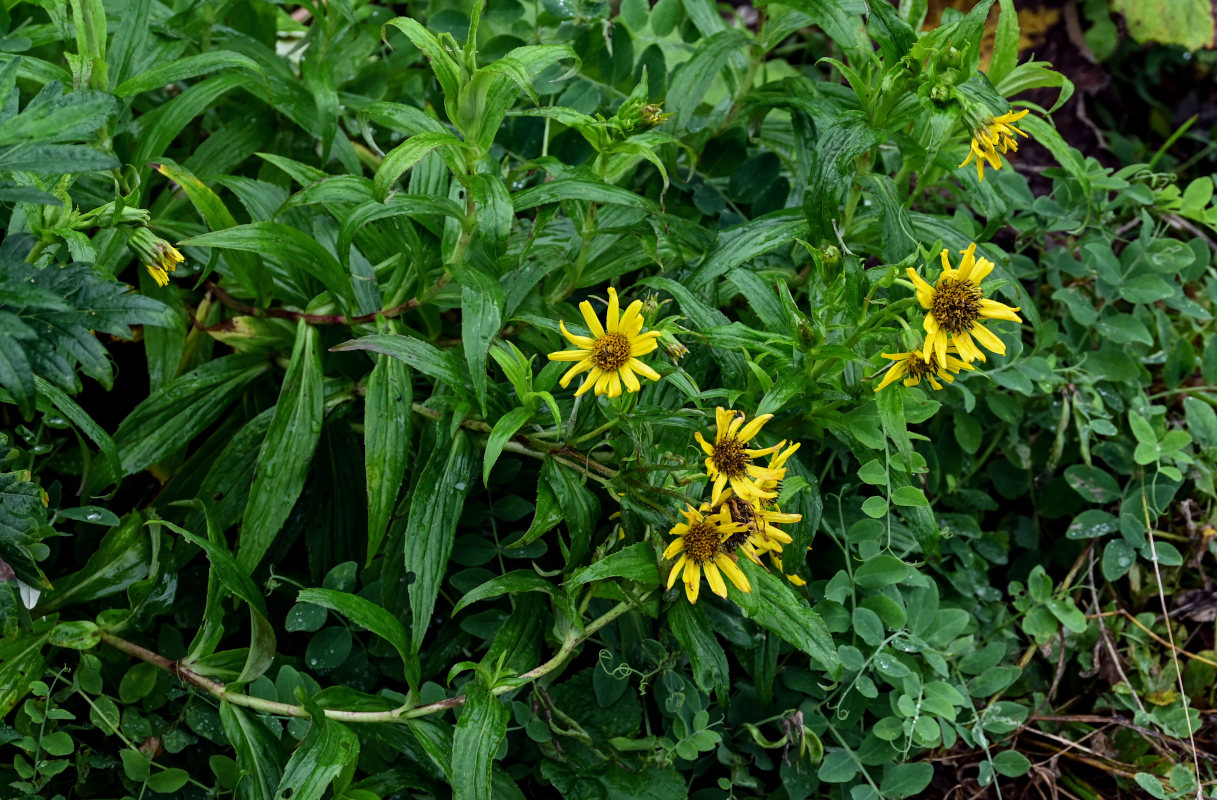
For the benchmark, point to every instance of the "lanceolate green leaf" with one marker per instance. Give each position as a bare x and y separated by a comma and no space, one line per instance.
321,756
287,245
503,430
388,422
183,68
68,407
422,356
439,496
481,728
167,421
773,605
636,563
693,79
117,562
579,189
235,579
286,453
410,152
259,754
748,241
481,319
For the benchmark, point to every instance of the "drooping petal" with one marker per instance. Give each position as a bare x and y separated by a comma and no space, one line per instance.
629,379
582,366
602,382
589,316
893,374
714,578
734,573
677,546
940,346
720,481
677,568
642,369
614,389
582,342
692,579
705,446
988,339
590,381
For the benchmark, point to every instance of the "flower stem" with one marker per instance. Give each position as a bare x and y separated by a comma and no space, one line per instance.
395,715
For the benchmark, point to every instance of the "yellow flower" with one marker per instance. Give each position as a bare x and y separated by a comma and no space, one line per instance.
611,352
989,138
159,275
729,461
700,545
913,366
956,304
160,257
761,517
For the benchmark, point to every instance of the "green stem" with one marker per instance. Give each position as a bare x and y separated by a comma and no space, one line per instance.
396,715
608,426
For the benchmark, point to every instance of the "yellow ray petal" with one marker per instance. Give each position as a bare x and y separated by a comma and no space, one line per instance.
753,428
677,568
715,579
677,546
570,355
732,571
894,373
582,366
582,342
988,339
629,379
613,317
590,381
642,369
589,316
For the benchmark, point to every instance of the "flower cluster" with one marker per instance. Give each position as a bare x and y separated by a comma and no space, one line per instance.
742,515
955,306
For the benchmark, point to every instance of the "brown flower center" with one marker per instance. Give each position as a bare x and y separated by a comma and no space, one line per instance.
956,305
702,542
729,457
744,514
918,367
611,351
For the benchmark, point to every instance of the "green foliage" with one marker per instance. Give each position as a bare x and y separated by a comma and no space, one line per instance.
329,520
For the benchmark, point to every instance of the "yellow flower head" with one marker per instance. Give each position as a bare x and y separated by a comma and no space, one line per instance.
611,352
991,137
913,366
955,306
730,461
160,257
700,544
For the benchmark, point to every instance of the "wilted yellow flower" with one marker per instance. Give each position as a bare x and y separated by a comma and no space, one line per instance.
729,461
700,544
611,352
159,256
761,517
992,136
956,304
914,365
